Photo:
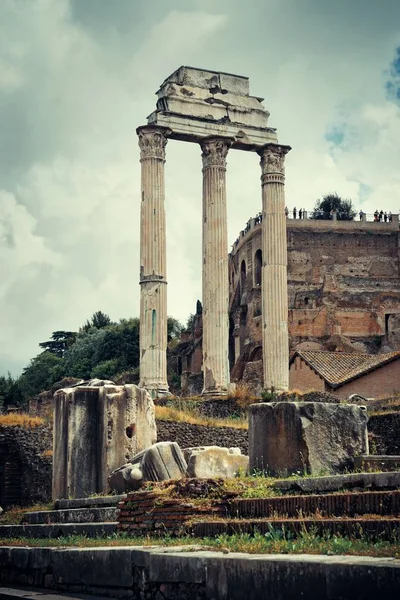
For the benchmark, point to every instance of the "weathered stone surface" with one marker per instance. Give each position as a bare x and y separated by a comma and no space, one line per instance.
163,461
153,279
96,429
213,461
195,104
306,437
126,478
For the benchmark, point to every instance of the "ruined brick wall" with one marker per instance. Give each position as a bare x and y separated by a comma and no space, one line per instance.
144,513
187,434
342,279
25,465
303,378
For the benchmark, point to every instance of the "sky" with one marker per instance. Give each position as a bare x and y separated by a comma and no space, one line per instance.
78,76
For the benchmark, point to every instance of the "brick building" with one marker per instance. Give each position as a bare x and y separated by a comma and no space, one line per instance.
343,288
343,374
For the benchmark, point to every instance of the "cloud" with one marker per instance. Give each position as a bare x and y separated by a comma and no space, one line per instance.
77,78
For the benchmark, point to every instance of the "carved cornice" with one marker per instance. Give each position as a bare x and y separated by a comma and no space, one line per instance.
152,142
215,151
273,163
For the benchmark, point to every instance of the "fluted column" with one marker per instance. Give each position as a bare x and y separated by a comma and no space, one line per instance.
275,335
215,267
153,275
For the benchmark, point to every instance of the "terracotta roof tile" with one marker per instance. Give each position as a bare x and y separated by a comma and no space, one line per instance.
339,367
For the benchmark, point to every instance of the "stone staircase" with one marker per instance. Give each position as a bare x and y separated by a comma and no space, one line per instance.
375,514
91,517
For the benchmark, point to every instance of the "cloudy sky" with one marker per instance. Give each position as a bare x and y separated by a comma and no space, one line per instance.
78,76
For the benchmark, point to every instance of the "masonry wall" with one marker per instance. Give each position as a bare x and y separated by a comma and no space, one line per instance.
381,382
25,465
343,278
303,378
186,435
385,434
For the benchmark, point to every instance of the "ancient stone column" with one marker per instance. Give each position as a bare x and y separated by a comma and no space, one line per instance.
275,335
153,277
215,267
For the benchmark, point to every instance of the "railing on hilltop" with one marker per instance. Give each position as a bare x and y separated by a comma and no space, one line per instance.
323,219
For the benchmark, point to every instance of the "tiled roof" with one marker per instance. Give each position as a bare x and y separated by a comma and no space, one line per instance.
338,368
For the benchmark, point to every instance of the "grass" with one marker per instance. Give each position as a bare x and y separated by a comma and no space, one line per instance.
15,514
189,415
20,420
276,541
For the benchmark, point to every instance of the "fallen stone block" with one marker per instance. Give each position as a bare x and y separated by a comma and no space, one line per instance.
162,461
214,461
306,437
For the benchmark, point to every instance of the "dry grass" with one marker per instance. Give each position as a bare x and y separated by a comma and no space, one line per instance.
15,514
47,453
243,395
167,413
20,420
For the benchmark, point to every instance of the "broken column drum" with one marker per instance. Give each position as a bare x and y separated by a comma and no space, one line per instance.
216,111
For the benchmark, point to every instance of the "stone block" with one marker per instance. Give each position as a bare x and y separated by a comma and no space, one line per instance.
96,429
306,437
160,462
163,461
214,461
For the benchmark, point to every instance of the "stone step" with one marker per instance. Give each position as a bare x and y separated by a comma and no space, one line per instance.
348,504
93,502
375,462
373,528
58,530
72,515
332,483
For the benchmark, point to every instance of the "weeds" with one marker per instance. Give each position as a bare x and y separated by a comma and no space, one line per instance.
275,541
20,420
168,413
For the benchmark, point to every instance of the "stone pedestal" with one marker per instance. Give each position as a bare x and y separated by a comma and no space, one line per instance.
153,275
215,268
288,438
275,334
96,429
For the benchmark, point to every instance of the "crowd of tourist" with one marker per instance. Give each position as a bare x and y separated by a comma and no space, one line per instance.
378,216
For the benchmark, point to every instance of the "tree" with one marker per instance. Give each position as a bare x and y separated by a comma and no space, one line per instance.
99,320
82,356
41,373
10,392
60,341
174,329
334,203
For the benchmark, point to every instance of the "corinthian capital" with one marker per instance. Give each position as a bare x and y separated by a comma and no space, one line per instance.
215,151
273,159
152,141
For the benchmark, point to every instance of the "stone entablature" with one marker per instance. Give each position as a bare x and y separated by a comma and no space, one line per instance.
197,104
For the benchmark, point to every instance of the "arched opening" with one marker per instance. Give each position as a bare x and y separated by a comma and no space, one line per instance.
242,276
257,267
306,301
